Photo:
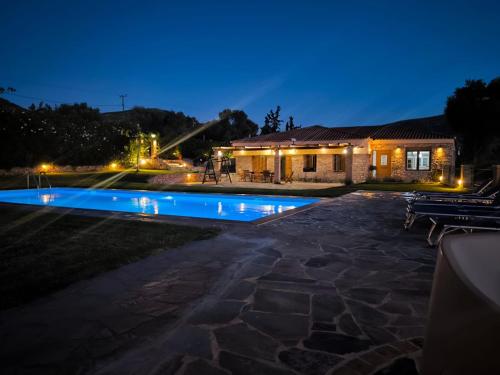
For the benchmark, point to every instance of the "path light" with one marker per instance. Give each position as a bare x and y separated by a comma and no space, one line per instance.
460,183
143,161
113,165
441,178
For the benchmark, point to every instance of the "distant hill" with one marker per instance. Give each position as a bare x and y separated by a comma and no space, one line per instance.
8,106
130,114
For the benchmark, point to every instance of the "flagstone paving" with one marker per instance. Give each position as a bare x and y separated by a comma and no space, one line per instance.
337,289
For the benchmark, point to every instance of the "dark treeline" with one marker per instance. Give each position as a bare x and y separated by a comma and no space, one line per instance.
80,135
473,111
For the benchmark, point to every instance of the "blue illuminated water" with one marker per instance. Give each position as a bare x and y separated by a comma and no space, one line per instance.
209,206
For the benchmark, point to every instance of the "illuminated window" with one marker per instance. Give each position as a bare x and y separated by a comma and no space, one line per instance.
418,160
309,163
424,160
338,163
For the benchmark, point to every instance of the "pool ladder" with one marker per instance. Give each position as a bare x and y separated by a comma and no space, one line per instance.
37,179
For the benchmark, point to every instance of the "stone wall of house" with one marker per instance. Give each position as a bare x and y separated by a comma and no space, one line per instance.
360,167
270,163
442,156
243,163
324,169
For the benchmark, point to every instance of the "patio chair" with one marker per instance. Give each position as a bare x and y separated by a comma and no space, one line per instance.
484,190
492,199
246,175
451,225
462,212
266,176
289,178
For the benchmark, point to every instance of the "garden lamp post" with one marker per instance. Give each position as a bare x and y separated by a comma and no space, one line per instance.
139,141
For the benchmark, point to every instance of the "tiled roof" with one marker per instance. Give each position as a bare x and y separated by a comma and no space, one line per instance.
422,128
435,127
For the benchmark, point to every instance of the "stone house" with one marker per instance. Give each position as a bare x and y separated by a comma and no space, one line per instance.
418,149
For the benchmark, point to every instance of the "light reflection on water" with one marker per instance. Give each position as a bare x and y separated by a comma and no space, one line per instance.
46,198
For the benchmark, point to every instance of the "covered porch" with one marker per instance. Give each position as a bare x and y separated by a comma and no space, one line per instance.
320,163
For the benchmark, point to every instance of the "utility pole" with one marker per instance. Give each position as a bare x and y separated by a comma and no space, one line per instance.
123,96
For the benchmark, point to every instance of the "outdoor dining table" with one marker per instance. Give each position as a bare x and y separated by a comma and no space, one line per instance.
254,176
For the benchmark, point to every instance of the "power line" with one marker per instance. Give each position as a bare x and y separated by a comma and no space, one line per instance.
58,101
56,86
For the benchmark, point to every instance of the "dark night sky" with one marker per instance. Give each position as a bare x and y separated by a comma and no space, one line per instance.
326,62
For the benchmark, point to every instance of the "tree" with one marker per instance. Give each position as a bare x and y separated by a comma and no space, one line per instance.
272,122
80,135
232,124
290,125
473,111
8,90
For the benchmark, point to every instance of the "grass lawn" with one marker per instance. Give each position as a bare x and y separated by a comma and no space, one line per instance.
139,180
43,252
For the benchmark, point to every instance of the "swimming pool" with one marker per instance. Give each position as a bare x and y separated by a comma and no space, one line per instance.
207,206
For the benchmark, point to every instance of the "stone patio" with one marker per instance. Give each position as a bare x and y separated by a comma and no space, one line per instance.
337,289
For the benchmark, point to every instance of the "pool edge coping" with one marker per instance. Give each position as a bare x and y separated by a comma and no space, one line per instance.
173,219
